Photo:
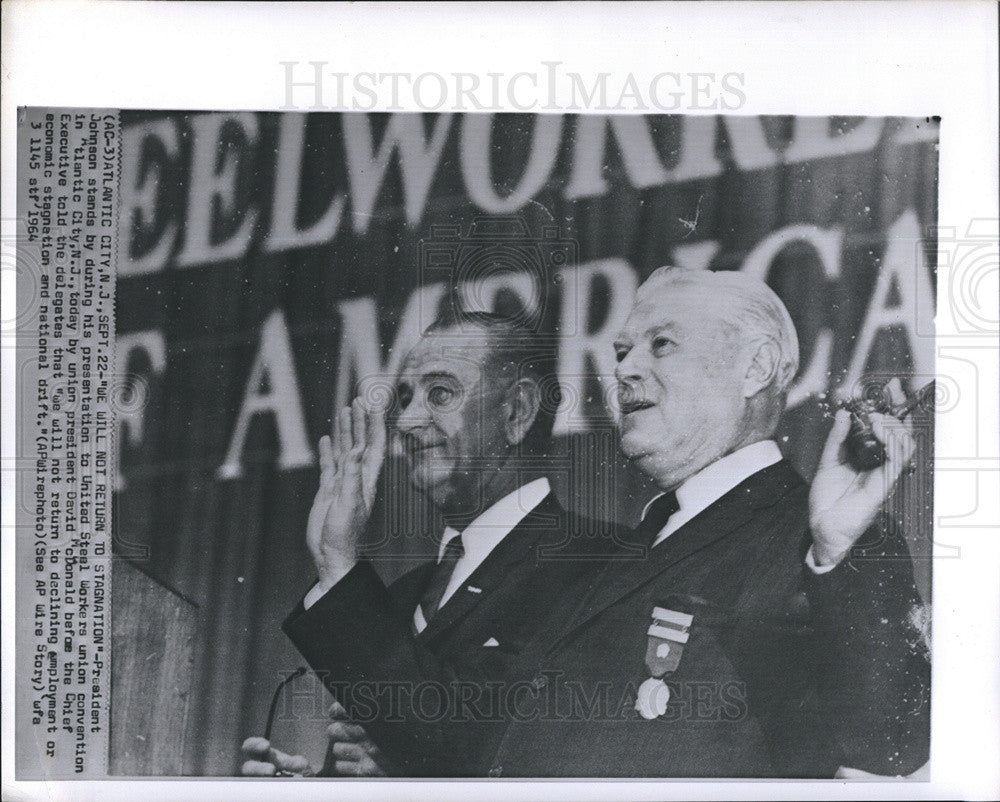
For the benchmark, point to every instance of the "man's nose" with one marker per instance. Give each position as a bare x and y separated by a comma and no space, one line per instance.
631,367
414,415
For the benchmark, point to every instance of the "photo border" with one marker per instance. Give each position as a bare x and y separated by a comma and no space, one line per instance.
885,58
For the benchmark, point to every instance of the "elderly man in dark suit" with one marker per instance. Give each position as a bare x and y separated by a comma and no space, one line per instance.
473,426
768,630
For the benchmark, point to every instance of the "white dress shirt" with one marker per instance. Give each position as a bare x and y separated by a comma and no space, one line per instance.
713,481
484,534
478,540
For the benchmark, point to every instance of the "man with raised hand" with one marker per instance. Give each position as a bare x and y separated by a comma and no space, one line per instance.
473,424
769,629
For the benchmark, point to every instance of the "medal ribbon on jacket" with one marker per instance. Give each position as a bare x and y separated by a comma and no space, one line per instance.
666,637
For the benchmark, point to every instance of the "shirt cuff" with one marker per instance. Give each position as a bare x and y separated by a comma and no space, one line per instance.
317,591
810,561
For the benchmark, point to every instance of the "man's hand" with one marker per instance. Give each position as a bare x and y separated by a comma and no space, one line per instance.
350,462
351,753
261,760
844,502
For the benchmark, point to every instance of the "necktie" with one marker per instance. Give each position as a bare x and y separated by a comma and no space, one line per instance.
656,518
438,582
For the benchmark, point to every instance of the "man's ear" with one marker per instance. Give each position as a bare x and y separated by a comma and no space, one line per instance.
763,368
521,404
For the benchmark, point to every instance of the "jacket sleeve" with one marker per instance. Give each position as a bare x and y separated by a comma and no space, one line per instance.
870,655
407,699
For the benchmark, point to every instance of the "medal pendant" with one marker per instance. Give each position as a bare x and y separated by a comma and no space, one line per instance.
651,701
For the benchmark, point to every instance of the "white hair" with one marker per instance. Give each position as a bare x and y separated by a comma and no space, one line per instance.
757,310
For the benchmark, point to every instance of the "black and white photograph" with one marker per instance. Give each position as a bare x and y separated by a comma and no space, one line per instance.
546,425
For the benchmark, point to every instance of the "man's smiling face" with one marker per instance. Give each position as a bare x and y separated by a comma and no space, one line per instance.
680,380
450,418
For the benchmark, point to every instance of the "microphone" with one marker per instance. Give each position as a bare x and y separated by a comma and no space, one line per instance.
277,695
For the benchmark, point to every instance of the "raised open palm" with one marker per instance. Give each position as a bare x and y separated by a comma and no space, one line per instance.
350,462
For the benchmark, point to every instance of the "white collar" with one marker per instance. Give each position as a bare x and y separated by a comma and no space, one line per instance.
716,479
481,536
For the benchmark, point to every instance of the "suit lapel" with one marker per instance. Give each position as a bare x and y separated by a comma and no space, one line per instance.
517,546
624,576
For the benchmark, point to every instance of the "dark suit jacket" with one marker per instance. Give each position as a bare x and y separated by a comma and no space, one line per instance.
426,699
786,673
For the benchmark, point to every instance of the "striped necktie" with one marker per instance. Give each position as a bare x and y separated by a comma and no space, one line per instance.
440,576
